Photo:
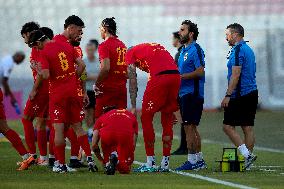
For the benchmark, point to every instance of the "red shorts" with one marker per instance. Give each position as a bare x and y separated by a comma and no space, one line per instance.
38,107
123,144
67,110
161,94
2,111
111,98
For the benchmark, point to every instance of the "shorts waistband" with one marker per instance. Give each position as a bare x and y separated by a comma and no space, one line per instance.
168,72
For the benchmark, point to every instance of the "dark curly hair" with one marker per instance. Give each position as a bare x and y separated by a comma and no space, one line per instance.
110,24
29,27
192,27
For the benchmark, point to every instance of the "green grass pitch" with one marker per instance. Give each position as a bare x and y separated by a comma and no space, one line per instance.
269,135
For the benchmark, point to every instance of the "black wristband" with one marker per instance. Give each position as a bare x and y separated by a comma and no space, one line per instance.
227,95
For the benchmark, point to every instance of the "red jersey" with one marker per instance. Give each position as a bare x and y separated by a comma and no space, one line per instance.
152,58
35,59
119,121
59,58
62,38
79,51
115,50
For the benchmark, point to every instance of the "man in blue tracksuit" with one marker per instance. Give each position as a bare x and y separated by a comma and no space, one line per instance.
240,101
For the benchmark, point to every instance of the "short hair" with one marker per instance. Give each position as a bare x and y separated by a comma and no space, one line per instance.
176,35
237,28
110,24
47,31
29,27
192,27
73,19
93,42
36,36
20,53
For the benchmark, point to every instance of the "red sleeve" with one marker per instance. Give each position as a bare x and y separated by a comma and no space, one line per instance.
98,124
130,57
103,51
32,57
76,53
44,60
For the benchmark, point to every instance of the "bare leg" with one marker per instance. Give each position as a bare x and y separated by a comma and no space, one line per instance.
233,135
249,137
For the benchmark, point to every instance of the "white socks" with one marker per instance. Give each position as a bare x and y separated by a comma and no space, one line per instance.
44,158
244,150
51,156
73,157
151,161
199,156
192,158
165,162
26,156
115,153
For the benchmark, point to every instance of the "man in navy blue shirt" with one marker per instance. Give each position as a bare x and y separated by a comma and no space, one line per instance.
240,101
191,95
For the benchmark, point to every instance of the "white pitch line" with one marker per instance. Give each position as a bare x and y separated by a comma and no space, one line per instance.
209,179
267,166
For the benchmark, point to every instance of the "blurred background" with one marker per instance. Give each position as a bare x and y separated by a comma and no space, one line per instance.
141,21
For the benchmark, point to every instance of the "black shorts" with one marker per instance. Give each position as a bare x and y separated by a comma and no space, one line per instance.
241,111
191,107
92,99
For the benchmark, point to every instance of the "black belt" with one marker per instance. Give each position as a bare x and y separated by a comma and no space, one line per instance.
168,72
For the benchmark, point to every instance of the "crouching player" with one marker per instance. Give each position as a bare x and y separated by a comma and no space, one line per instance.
117,129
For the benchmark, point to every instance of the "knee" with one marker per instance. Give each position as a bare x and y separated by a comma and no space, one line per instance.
26,117
167,138
4,128
227,129
40,125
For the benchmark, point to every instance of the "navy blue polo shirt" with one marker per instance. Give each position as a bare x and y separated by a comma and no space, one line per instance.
242,55
191,58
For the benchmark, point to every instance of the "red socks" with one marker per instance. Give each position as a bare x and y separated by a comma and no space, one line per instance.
51,141
60,153
16,142
75,147
84,143
29,135
42,142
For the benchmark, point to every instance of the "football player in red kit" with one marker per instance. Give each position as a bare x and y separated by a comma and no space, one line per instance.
160,96
57,61
14,138
36,107
110,85
117,130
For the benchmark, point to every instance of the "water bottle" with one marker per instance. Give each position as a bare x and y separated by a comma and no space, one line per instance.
17,108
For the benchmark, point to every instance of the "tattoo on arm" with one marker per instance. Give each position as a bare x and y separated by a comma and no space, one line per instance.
132,84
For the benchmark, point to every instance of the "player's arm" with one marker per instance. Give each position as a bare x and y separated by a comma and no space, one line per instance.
7,90
135,129
95,145
36,85
45,73
234,79
133,89
105,67
198,60
80,66
236,72
199,72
